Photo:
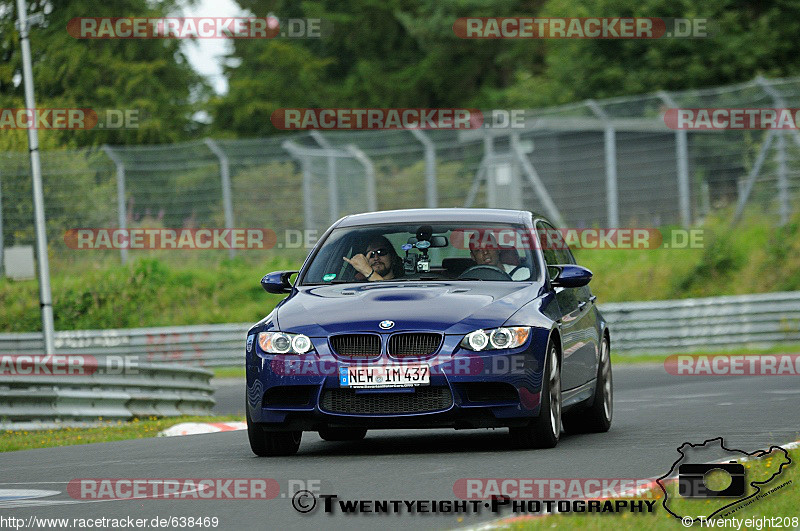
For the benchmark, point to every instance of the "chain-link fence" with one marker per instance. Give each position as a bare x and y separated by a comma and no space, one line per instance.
606,162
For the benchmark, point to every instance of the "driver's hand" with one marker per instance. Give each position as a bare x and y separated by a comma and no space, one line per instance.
360,263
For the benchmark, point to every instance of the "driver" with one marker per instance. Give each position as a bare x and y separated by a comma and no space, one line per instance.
379,262
487,253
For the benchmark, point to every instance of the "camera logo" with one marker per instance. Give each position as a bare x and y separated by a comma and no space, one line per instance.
698,480
711,478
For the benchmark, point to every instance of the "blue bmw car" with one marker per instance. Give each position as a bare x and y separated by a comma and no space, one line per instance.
430,318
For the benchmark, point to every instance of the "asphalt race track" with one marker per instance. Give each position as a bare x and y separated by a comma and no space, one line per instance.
654,413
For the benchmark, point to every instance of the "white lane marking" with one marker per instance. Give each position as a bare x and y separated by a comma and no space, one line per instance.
663,400
7,495
33,502
703,395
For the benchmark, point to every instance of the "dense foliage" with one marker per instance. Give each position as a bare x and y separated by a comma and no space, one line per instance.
381,53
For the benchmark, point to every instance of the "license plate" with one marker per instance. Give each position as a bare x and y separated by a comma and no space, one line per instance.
384,376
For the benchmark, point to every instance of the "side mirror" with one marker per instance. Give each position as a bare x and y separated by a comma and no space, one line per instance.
570,276
277,282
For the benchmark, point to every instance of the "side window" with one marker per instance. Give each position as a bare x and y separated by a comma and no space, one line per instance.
544,234
554,247
564,255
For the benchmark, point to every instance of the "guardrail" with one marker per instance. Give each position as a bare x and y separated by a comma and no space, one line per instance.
657,326
206,345
761,320
122,392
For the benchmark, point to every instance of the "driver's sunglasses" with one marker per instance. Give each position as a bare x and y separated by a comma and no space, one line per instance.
380,252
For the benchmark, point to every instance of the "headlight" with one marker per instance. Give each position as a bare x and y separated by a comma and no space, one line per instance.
283,343
476,340
499,338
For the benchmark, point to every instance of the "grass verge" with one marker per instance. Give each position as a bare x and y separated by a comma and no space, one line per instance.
13,440
236,371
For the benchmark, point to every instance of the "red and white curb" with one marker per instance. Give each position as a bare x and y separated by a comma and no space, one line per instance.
508,521
197,428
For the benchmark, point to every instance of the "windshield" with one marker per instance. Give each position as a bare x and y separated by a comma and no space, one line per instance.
435,251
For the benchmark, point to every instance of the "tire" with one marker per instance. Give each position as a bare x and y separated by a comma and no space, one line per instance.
597,417
343,434
272,443
544,430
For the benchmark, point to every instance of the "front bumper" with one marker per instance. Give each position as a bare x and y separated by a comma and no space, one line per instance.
467,389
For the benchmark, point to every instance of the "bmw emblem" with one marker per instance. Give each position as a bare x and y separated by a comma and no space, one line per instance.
386,325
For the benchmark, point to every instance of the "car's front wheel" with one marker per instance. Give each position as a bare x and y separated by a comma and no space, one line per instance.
544,430
343,434
597,417
266,443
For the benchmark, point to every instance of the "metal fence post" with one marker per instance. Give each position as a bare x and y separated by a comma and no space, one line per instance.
783,180
305,163
431,191
488,157
682,155
612,195
536,182
751,179
476,183
308,208
225,175
2,241
122,218
45,292
780,156
333,189
369,169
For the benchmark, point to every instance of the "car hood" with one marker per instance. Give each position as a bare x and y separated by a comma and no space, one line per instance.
449,307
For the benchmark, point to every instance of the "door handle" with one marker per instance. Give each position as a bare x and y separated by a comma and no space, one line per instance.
581,305
593,298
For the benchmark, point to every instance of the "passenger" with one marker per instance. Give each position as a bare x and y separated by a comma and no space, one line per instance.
487,253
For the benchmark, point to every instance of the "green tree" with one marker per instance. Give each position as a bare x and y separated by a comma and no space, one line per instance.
381,53
748,38
151,76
